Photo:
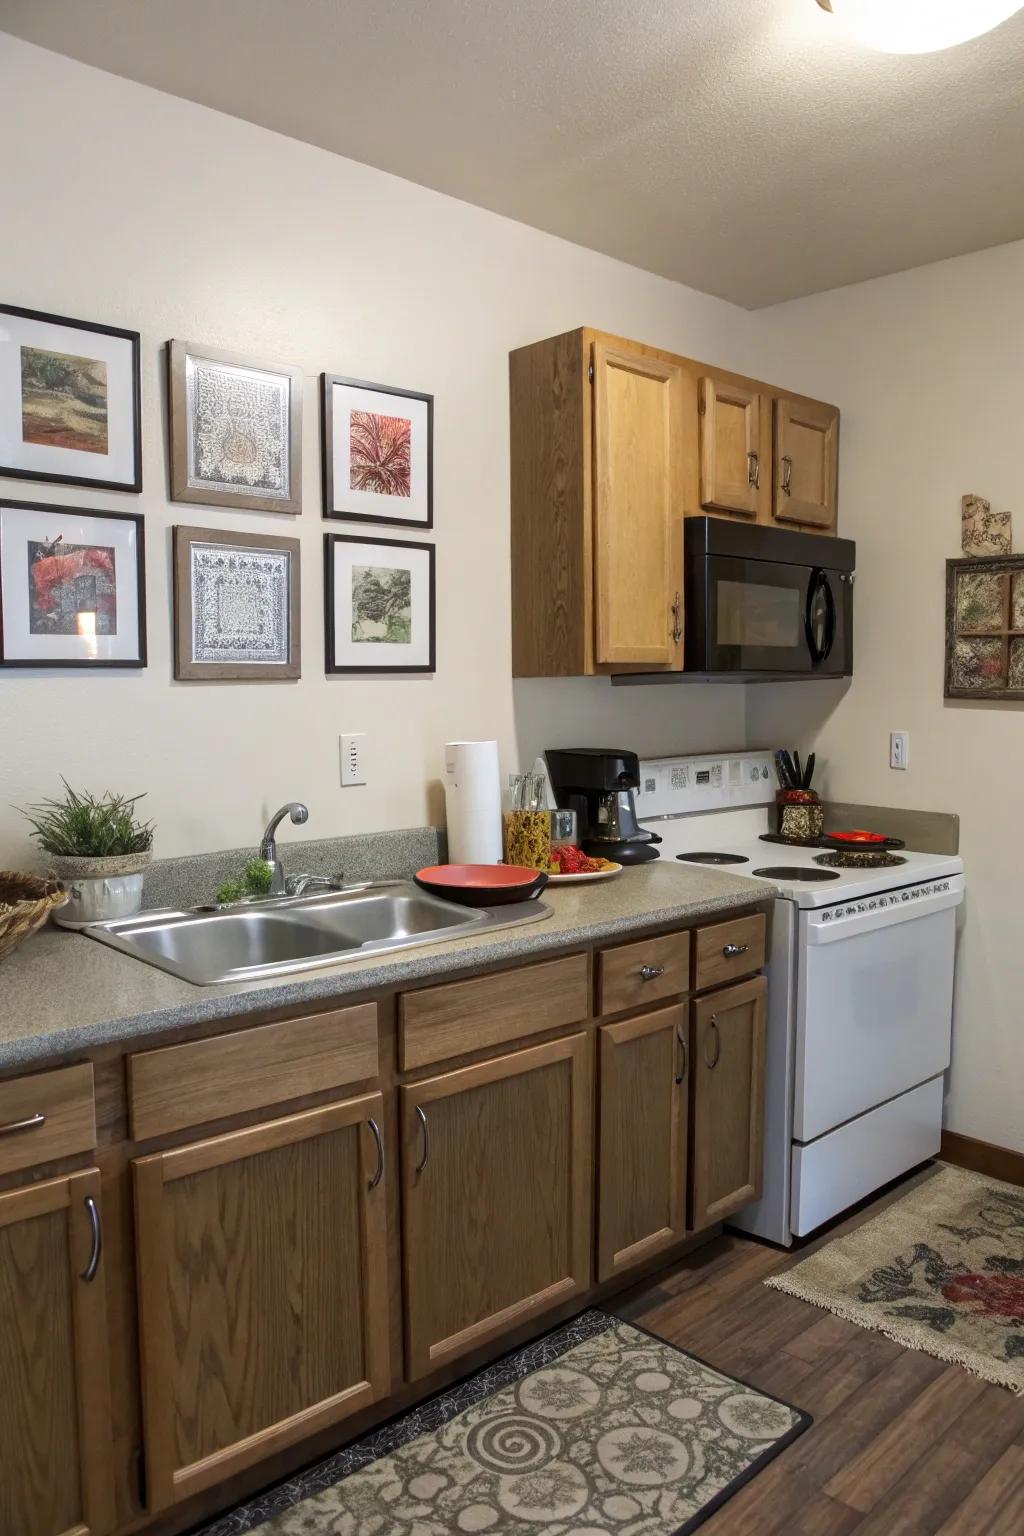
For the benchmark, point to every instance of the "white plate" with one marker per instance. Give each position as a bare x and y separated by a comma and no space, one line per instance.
596,874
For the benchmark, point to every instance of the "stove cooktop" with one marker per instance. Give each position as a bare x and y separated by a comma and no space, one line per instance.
795,872
712,858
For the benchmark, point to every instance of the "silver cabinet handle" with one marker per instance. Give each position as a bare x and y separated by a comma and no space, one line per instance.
681,1037
31,1124
713,1029
753,470
787,475
730,951
422,1118
379,1143
677,613
651,972
93,1212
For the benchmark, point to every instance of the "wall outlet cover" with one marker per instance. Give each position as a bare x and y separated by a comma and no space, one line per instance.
353,759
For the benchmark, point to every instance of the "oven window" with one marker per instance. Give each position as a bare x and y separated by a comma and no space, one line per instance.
752,614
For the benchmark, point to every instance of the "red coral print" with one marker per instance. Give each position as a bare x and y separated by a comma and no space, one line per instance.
993,1295
380,453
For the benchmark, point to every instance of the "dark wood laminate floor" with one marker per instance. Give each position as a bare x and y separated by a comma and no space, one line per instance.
901,1444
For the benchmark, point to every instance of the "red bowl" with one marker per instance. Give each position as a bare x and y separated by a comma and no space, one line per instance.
482,885
858,835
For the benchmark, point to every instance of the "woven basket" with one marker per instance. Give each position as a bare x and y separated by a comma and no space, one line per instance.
26,902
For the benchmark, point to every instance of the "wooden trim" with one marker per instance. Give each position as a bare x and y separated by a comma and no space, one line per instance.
186,669
201,1156
30,1201
92,1359
500,1322
154,1342
982,1157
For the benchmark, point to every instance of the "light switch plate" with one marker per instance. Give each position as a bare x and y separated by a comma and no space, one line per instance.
899,749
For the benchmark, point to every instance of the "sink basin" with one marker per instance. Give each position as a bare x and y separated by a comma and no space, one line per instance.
298,933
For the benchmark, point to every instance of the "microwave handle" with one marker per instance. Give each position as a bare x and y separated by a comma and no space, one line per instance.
820,583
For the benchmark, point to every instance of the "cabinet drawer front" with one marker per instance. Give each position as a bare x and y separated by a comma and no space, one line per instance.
182,1085
441,1022
636,974
728,951
51,1114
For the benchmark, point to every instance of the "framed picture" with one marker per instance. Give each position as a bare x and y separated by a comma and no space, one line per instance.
72,587
69,401
377,452
985,629
236,429
236,606
379,605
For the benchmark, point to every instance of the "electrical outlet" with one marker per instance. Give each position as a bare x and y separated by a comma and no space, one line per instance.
899,749
353,753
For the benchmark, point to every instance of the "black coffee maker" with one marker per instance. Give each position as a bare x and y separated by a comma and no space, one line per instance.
599,784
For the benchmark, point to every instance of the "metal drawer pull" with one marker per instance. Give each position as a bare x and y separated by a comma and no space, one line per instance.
379,1142
421,1116
753,470
651,972
31,1124
787,474
93,1210
713,1025
730,951
680,1036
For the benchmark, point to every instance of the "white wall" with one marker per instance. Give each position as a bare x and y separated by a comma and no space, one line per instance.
927,367
127,206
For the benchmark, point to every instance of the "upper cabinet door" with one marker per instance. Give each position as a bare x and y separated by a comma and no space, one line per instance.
638,405
55,1425
806,463
730,447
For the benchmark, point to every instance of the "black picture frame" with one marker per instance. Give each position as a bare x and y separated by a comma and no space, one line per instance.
135,484
27,663
331,664
327,383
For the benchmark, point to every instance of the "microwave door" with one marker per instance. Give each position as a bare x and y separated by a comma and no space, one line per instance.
763,617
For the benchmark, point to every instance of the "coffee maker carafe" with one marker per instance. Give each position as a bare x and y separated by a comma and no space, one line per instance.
599,784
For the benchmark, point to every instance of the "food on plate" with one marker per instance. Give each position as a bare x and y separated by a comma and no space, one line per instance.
567,859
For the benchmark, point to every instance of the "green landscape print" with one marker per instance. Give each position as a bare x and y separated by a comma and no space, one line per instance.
63,400
381,605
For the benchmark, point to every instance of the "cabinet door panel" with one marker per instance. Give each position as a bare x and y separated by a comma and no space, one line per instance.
806,441
642,1145
263,1291
637,508
55,1426
496,1196
730,447
727,1076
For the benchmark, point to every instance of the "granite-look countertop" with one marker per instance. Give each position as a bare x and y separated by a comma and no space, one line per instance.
62,993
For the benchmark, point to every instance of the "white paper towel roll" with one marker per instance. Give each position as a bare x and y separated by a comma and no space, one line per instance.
472,785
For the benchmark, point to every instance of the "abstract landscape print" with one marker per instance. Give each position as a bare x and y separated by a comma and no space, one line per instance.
380,453
67,582
381,605
63,400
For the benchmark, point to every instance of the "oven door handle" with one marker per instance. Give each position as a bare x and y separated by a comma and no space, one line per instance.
820,585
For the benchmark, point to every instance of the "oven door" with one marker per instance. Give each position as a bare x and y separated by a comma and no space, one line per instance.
762,616
874,1001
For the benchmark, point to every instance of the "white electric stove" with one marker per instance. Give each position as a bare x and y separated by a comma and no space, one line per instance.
860,989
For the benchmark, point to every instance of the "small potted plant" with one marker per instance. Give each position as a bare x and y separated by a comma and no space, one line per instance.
98,849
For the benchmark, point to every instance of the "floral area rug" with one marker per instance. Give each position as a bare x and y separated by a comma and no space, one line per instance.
597,1428
941,1270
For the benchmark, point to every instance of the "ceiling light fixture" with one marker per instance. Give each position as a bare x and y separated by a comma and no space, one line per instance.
918,26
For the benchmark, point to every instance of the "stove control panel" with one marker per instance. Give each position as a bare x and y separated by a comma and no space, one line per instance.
679,786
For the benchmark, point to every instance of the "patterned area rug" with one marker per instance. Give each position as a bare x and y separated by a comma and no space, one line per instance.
941,1270
598,1428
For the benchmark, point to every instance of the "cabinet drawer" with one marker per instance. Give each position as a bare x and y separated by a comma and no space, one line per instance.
51,1114
182,1085
636,974
441,1022
728,951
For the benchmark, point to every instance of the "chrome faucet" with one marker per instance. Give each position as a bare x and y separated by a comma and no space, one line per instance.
268,847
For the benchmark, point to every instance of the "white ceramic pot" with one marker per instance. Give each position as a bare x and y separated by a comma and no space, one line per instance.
99,889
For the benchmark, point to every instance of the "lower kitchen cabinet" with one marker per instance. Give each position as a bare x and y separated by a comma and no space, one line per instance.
727,1088
496,1197
56,1475
642,1153
263,1290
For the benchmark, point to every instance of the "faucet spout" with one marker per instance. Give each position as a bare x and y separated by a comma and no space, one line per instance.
268,847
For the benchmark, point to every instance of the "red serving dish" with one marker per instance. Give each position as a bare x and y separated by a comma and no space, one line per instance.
858,835
482,885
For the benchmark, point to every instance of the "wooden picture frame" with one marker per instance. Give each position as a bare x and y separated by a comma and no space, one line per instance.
196,432
375,505
106,435
31,531
985,628
193,573
345,655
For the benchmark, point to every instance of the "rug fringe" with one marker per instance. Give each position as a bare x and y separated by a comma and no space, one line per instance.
909,1335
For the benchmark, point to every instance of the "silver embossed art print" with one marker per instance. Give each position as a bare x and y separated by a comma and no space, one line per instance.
236,600
235,430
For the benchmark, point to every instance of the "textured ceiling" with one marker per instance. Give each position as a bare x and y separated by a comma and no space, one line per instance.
740,146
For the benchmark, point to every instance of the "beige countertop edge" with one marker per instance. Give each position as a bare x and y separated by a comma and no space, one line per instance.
62,993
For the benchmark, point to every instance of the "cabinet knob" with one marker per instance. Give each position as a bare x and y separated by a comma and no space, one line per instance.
730,951
651,972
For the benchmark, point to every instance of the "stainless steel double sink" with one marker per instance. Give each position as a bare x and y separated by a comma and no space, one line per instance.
281,935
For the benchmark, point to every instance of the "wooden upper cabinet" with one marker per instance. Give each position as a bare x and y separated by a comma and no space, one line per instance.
806,463
731,470
642,1138
727,1109
56,1469
637,508
496,1197
263,1291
